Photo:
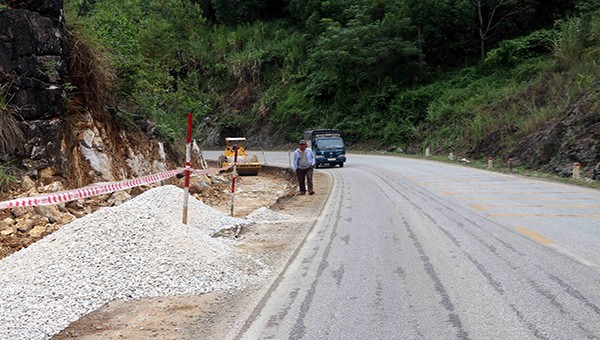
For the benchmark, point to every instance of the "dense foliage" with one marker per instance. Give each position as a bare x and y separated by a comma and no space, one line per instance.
411,73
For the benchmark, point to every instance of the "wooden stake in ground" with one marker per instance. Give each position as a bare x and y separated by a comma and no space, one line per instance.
188,148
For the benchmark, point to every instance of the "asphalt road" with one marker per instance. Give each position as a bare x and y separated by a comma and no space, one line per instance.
414,249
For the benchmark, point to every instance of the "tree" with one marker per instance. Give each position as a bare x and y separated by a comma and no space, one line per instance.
491,13
235,12
446,31
367,48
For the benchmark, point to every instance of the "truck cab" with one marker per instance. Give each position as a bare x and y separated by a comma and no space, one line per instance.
327,145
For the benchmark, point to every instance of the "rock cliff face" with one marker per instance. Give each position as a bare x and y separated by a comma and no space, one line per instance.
59,141
572,137
34,56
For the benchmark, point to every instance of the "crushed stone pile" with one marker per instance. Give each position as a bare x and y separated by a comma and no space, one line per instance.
267,215
138,249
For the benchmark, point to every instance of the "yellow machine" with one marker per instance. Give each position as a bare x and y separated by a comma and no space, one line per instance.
246,165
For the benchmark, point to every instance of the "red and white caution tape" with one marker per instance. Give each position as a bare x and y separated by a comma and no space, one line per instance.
206,171
94,190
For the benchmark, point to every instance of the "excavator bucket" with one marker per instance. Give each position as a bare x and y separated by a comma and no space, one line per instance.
246,165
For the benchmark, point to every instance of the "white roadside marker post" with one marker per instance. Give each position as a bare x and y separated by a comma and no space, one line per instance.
576,170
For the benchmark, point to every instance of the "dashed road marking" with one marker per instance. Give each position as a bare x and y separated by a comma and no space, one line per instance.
539,238
548,215
551,244
478,207
538,206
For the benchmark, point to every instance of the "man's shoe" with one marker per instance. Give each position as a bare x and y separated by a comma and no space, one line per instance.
302,193
311,193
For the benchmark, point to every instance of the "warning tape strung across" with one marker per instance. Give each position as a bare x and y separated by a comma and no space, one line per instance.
203,172
95,190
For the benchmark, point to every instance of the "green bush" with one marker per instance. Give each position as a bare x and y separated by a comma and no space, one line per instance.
573,39
6,178
515,51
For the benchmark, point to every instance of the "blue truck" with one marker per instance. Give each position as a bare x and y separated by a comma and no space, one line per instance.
327,145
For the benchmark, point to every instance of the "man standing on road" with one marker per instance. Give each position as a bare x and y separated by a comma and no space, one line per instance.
304,162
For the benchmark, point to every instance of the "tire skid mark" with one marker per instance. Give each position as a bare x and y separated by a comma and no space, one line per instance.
482,269
553,300
338,275
273,321
567,288
299,328
401,273
378,303
439,287
534,330
572,291
471,222
453,317
496,285
430,270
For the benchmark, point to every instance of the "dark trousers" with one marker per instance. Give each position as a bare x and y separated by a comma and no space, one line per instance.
304,176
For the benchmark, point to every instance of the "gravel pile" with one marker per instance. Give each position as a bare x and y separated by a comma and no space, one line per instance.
267,215
138,249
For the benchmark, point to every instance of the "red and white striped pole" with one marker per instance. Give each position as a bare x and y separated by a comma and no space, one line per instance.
234,175
188,166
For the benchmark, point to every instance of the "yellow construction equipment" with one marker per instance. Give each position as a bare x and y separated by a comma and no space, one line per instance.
246,165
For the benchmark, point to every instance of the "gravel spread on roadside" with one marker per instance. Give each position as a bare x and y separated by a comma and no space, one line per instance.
138,249
267,215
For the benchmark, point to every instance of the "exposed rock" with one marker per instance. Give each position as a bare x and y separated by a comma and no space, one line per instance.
493,145
53,187
49,8
575,137
8,231
21,211
118,198
38,231
24,225
43,143
198,185
81,213
27,183
51,212
34,58
66,218
47,172
7,223
99,161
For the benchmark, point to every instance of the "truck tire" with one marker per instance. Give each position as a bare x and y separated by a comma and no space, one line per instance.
341,165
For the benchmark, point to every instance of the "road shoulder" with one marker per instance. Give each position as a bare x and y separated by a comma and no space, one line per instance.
218,314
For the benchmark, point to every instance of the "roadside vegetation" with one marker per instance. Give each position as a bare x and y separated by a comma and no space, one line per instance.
412,73
11,137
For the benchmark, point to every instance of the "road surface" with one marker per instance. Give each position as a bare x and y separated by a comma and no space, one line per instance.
415,249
